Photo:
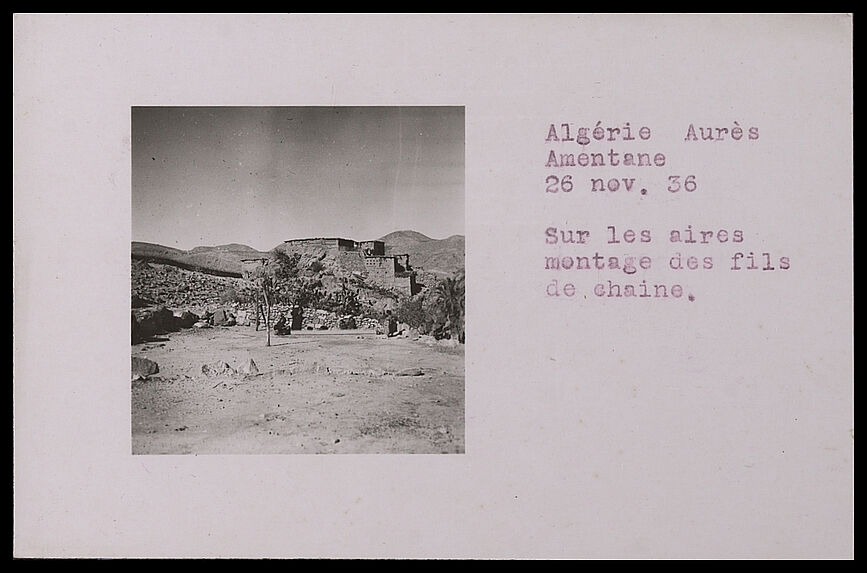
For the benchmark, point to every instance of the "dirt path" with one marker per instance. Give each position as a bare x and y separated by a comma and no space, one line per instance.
316,392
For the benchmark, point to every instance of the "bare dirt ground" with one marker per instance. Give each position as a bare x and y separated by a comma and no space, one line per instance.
322,392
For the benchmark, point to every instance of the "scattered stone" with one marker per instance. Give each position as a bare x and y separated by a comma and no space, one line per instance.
249,368
410,372
219,368
164,284
143,368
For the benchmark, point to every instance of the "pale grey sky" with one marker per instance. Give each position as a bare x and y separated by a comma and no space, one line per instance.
261,175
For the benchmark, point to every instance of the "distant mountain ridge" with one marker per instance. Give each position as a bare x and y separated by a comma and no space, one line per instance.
231,247
223,260
445,256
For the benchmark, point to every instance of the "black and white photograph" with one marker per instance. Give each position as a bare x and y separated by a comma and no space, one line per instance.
297,280
433,286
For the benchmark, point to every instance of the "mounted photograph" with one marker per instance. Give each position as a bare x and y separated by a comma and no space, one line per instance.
297,280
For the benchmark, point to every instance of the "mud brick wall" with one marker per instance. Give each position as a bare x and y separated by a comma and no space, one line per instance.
405,285
351,261
311,247
380,270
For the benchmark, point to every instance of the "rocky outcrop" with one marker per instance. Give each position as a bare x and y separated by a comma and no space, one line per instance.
148,322
186,319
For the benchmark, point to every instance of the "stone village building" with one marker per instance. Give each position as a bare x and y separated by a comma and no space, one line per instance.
366,259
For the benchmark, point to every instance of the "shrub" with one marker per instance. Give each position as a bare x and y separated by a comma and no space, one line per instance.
446,307
350,303
412,312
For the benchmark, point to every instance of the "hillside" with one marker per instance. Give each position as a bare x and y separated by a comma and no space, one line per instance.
222,260
439,256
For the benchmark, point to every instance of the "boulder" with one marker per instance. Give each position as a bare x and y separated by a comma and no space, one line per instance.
136,330
218,368
186,319
164,320
154,320
140,302
249,368
142,368
220,317
201,324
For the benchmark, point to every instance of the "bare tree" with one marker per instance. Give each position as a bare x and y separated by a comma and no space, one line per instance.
275,280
